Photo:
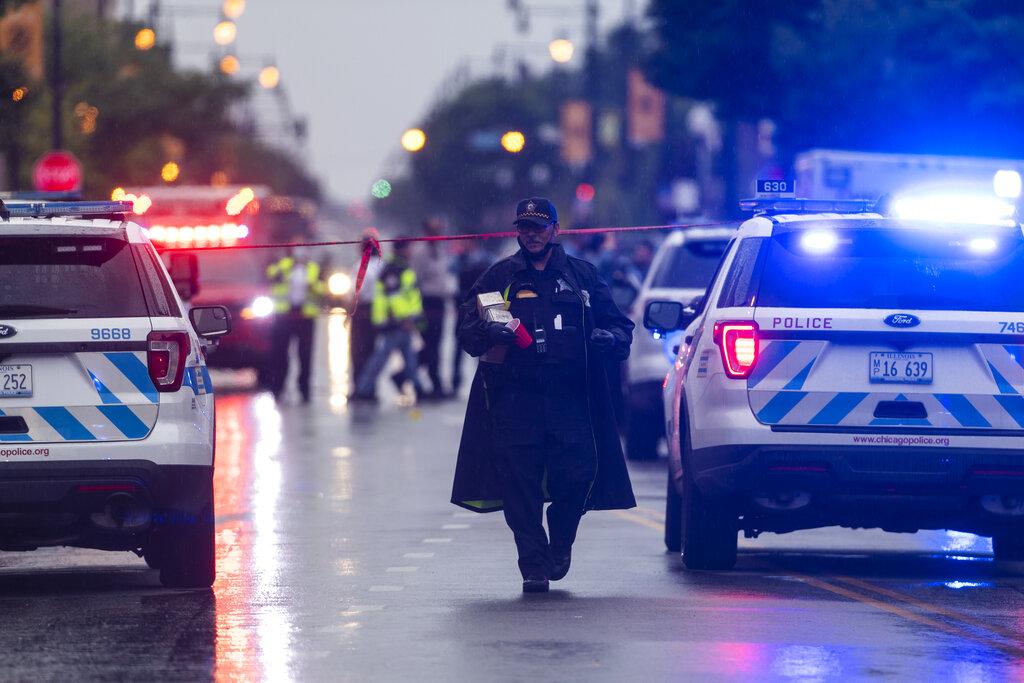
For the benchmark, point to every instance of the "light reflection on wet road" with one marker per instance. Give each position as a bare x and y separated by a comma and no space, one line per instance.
340,559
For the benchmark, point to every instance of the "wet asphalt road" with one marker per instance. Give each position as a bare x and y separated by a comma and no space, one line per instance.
340,559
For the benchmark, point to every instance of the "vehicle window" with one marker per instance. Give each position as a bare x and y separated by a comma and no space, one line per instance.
952,269
741,284
68,277
161,300
690,266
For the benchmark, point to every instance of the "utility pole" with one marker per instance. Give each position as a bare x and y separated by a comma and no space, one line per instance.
57,78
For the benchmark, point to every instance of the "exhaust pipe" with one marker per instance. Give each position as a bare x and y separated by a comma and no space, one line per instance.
122,512
1004,506
782,501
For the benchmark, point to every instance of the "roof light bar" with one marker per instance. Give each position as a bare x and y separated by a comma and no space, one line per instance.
16,209
796,205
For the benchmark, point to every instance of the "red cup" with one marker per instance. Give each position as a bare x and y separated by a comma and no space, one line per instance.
523,338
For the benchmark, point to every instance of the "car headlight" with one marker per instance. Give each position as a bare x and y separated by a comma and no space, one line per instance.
261,307
339,284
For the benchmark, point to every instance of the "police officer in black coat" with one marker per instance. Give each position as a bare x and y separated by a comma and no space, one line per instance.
539,424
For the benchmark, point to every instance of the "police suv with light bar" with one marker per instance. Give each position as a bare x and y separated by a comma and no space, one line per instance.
849,367
106,405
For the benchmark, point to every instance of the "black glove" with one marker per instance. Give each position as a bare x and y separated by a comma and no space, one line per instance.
497,333
602,339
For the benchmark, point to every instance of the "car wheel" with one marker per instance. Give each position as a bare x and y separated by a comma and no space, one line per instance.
1008,546
151,554
643,432
709,529
673,517
187,550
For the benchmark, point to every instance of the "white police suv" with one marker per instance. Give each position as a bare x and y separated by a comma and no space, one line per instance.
849,367
106,406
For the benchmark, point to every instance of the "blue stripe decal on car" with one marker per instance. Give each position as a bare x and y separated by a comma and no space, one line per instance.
962,409
779,406
1016,353
1004,386
136,371
900,422
106,395
773,355
15,437
206,378
1014,405
839,407
797,383
125,420
66,424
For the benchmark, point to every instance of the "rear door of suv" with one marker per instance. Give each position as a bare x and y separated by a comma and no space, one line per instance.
73,362
878,326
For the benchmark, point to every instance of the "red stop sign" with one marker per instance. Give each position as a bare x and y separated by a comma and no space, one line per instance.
57,171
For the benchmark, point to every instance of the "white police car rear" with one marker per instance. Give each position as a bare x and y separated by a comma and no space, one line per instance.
849,368
106,406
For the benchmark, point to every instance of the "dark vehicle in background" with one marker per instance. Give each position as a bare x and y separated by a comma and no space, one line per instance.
681,270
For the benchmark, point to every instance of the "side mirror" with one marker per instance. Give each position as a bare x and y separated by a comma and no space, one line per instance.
184,270
665,316
210,322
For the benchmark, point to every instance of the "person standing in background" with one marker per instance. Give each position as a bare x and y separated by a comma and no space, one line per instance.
363,334
469,264
298,293
431,263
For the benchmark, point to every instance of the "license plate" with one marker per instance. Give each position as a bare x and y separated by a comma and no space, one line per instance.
900,368
15,380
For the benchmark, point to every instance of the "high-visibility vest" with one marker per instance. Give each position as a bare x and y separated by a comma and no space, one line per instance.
396,296
280,291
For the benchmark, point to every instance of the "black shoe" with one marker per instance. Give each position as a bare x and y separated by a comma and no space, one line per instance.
535,584
561,559
398,379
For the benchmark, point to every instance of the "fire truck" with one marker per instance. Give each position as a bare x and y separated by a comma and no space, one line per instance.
181,220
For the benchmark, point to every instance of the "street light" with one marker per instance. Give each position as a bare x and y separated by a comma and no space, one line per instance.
413,140
269,77
229,64
145,39
561,50
224,33
233,8
169,173
513,141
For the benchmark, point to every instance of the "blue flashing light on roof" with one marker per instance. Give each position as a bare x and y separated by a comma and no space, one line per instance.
22,209
797,205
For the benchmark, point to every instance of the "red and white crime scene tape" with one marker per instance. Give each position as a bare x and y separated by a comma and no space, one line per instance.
371,245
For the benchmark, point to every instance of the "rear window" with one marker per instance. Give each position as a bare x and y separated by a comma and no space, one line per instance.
68,277
690,265
958,268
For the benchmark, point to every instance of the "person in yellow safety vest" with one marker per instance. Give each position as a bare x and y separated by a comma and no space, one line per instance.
297,291
396,308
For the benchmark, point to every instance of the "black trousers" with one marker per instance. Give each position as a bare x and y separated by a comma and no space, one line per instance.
545,445
286,327
432,333
362,339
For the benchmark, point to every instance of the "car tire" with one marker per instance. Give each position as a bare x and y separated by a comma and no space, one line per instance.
643,432
1008,546
187,550
673,517
709,529
151,554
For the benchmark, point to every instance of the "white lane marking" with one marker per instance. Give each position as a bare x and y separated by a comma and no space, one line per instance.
353,610
386,589
418,556
402,570
437,540
455,526
464,515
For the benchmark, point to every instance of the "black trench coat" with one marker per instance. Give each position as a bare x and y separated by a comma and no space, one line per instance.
476,485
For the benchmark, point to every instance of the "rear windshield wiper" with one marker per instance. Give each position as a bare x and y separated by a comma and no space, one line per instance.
21,310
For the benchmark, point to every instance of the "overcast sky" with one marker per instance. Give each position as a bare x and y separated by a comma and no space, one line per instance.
362,71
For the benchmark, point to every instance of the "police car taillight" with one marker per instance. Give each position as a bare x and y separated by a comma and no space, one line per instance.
739,345
165,358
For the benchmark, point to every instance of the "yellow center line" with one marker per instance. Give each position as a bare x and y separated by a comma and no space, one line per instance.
951,629
937,609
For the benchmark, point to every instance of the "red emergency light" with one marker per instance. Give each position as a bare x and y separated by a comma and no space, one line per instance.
209,235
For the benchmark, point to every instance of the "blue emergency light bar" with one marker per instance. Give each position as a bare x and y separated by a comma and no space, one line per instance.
29,209
796,205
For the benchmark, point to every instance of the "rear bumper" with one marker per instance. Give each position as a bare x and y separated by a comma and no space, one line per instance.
895,488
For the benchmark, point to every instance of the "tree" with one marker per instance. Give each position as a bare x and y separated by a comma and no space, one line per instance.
940,76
